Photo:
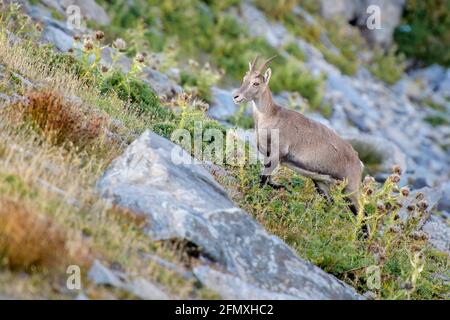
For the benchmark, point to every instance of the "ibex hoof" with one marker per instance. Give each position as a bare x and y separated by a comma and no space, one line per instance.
266,180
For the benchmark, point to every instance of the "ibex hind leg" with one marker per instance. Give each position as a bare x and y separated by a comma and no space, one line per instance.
353,204
324,190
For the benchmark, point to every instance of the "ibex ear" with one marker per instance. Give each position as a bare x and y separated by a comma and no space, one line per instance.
267,75
249,66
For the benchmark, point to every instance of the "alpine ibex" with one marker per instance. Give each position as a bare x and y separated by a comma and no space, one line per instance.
304,145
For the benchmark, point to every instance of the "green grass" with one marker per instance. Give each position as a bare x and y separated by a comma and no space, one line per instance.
388,66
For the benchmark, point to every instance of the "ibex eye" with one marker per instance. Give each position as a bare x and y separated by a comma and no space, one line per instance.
256,84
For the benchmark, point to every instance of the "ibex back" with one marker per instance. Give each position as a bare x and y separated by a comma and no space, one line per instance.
304,145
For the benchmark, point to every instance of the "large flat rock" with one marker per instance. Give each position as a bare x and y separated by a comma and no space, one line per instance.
183,201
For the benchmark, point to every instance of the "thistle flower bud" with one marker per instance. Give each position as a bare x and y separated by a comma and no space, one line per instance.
410,207
184,96
381,207
369,180
415,248
423,204
70,50
140,58
99,35
396,169
395,178
405,191
76,37
88,45
388,206
398,204
39,27
105,69
369,191
420,196
419,235
120,44
395,229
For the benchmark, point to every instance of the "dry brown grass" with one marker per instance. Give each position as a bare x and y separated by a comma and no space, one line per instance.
59,119
33,242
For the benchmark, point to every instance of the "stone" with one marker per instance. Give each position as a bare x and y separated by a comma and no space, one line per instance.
259,26
222,106
389,152
356,12
183,201
89,9
439,233
58,37
161,83
232,288
139,287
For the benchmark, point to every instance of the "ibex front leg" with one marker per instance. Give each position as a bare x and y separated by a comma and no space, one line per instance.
268,145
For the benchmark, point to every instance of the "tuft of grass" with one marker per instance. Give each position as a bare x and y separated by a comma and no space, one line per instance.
59,119
437,121
140,97
33,242
388,66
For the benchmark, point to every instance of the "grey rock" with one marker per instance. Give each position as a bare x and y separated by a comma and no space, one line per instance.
356,11
348,9
259,26
389,152
161,84
139,287
222,106
89,9
183,201
439,233
390,15
58,37
232,288
444,203
101,275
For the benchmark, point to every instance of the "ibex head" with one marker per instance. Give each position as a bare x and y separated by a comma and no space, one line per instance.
254,82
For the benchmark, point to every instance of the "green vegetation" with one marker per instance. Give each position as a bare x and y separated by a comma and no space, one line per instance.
425,34
389,66
328,234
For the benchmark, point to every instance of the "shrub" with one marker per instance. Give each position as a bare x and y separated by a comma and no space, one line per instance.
389,66
136,93
425,33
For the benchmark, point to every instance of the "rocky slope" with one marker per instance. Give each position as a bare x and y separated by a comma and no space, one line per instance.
235,256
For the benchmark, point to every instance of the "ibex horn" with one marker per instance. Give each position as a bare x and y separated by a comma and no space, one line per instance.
254,62
266,63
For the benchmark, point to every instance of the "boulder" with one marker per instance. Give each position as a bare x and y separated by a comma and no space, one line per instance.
58,37
232,288
89,9
355,11
139,287
183,201
379,147
259,26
